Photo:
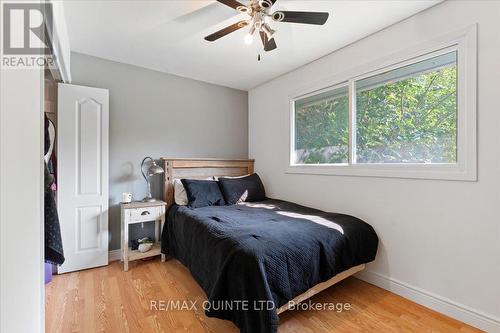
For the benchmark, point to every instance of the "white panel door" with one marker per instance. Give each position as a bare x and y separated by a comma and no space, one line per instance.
82,175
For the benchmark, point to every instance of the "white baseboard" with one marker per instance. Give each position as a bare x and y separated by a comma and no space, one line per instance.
114,255
437,303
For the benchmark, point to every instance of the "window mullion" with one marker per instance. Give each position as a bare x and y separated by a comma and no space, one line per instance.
352,122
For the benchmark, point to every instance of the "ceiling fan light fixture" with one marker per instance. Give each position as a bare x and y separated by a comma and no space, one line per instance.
249,37
268,31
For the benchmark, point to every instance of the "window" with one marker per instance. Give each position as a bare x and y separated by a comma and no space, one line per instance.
322,127
413,119
409,114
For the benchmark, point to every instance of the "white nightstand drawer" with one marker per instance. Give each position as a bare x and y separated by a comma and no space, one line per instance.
145,214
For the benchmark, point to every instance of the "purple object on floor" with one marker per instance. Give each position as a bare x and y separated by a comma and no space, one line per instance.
48,273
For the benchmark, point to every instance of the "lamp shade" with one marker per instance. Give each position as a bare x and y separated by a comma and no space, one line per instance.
155,169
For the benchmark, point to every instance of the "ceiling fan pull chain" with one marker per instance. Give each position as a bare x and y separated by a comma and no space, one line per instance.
258,57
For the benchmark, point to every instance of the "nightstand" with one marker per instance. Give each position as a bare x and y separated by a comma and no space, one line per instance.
139,212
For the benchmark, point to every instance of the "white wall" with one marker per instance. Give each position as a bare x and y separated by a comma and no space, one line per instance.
21,189
439,240
160,115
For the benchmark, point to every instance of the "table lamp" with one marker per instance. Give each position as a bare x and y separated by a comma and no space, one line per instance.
154,169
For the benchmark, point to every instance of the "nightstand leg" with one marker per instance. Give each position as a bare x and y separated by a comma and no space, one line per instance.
157,230
162,222
122,227
125,246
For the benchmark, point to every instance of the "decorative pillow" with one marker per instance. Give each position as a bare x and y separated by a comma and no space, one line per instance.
201,193
243,189
180,196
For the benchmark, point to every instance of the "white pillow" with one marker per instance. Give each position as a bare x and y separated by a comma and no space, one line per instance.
180,195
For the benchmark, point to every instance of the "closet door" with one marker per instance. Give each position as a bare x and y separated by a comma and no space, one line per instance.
82,175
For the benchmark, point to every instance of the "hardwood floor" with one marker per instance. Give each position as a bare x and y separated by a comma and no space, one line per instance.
107,299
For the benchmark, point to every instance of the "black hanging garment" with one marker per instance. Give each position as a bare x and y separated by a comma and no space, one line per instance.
53,243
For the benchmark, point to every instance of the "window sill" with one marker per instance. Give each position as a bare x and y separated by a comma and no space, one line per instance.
410,171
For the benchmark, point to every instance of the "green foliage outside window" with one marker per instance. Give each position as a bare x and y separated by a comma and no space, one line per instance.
322,131
409,121
412,120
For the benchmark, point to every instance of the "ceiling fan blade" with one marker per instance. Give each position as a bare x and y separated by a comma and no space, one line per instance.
318,18
269,44
231,3
226,30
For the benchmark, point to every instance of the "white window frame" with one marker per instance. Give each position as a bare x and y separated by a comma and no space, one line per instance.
464,42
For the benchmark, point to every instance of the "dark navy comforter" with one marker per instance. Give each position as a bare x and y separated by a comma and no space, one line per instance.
252,254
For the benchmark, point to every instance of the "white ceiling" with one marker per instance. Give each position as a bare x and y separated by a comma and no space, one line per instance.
168,35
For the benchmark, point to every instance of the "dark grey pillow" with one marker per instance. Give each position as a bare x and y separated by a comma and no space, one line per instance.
201,193
243,189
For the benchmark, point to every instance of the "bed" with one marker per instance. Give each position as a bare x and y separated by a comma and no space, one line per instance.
255,260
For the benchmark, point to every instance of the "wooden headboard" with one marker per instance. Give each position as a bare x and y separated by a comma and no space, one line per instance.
199,168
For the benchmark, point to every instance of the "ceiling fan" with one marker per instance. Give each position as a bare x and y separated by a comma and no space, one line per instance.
260,16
